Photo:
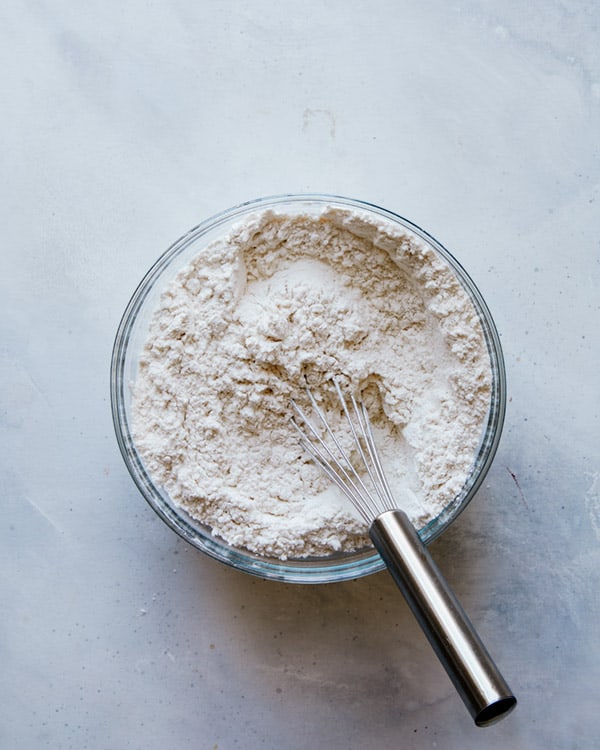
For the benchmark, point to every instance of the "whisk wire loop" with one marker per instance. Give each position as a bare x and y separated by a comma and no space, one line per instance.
338,465
374,454
345,478
373,465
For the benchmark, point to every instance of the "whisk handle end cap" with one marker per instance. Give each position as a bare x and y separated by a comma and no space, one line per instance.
441,617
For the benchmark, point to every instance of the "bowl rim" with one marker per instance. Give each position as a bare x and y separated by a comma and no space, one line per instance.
307,570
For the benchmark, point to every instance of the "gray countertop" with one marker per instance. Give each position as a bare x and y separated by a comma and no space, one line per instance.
124,125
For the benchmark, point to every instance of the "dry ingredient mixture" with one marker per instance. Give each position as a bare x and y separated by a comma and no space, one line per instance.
282,299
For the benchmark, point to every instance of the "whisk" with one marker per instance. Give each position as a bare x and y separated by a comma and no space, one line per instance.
437,610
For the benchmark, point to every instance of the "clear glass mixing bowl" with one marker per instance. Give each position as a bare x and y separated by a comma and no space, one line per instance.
130,339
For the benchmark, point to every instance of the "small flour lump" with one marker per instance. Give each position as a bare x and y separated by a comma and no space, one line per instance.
282,299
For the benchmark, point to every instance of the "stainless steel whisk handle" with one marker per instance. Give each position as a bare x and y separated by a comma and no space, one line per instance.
447,627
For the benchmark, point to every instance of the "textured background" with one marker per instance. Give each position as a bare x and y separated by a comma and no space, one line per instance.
122,127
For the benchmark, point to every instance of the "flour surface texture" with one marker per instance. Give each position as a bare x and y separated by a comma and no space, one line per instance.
283,299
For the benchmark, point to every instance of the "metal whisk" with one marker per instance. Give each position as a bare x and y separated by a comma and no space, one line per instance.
460,650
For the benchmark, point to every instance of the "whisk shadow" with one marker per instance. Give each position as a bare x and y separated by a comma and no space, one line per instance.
355,643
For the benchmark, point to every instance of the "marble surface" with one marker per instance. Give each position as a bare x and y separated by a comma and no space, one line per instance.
123,125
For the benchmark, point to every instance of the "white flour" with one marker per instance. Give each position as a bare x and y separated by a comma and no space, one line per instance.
286,297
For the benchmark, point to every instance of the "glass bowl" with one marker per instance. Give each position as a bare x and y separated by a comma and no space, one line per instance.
131,337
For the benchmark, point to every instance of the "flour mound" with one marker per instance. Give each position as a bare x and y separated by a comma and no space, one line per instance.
287,298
